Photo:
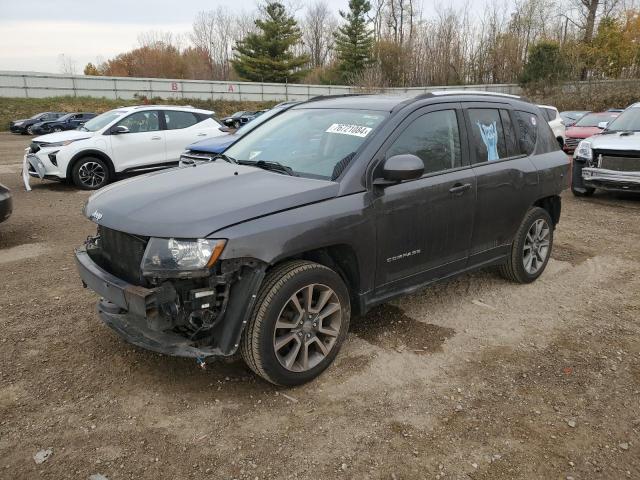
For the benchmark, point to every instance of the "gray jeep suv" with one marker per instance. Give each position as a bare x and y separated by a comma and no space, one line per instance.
335,206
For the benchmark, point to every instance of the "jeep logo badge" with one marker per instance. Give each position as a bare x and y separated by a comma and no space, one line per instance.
95,216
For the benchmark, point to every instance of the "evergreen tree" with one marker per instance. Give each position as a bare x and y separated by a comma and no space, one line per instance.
545,65
266,56
354,40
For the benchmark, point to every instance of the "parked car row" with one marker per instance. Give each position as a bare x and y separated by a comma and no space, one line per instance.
241,118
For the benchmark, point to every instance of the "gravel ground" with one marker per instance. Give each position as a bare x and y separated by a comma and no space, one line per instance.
475,378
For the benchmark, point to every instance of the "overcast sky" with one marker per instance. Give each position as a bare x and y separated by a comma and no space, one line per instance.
33,33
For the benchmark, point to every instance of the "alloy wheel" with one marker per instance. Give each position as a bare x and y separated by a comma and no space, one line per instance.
307,327
536,246
91,174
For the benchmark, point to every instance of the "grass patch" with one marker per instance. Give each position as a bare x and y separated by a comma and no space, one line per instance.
17,108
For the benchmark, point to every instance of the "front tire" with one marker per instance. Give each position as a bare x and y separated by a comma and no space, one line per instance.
531,247
30,130
90,173
298,324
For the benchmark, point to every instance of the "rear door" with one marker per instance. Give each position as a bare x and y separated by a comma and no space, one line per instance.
506,179
424,226
143,146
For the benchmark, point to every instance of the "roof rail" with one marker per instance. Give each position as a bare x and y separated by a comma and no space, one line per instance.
159,105
472,92
341,95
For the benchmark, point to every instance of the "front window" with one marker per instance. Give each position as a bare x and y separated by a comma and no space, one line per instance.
592,120
101,121
65,117
309,141
629,120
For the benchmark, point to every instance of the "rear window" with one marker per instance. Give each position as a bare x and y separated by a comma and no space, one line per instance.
176,120
526,131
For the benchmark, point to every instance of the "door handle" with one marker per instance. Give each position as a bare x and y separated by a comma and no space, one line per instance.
156,138
459,188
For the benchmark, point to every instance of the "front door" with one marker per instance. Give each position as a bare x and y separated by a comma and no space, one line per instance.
424,226
143,145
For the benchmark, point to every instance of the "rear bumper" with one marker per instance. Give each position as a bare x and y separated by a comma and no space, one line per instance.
6,203
613,180
136,315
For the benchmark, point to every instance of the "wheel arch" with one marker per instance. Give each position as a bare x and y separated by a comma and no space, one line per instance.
90,153
553,205
341,258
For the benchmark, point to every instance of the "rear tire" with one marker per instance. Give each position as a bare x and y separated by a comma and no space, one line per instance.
90,173
531,247
298,324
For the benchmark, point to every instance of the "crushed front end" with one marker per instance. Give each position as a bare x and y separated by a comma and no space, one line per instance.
613,170
168,295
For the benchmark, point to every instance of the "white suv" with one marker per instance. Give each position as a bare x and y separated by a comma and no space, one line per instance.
556,123
120,141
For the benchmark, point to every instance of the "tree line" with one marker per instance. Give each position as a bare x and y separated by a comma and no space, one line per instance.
380,43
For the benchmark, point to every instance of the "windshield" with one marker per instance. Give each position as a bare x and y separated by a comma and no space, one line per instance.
309,141
65,117
593,119
101,121
629,120
247,127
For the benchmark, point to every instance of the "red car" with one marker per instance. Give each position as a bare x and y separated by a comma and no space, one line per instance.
586,127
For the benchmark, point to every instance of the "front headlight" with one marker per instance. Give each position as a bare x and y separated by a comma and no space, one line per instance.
584,150
62,144
175,257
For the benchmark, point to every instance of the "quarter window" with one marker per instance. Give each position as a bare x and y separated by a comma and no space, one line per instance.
142,122
487,135
176,120
527,131
435,138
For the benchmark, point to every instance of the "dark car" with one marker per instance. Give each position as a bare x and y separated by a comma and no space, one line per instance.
25,126
239,119
70,121
209,148
6,204
330,208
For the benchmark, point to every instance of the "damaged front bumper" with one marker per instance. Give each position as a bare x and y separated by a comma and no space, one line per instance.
150,317
613,180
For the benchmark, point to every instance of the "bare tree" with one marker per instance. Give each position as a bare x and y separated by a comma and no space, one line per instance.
67,65
317,32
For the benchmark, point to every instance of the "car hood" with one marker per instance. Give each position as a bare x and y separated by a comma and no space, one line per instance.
214,144
194,202
62,136
616,141
582,132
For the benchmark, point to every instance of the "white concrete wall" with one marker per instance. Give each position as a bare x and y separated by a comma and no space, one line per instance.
39,85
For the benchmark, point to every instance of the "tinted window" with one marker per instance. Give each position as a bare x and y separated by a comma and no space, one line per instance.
177,120
509,133
550,112
141,122
526,130
434,138
487,135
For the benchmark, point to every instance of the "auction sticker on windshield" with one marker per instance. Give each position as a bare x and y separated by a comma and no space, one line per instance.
344,129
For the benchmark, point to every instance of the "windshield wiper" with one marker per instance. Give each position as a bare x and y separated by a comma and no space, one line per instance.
273,166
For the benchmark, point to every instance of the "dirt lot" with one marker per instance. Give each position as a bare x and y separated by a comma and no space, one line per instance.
473,379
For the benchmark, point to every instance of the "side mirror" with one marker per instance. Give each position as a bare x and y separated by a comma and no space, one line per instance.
603,125
399,168
224,129
119,130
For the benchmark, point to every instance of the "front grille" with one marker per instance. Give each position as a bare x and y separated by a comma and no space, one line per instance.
621,164
122,254
572,142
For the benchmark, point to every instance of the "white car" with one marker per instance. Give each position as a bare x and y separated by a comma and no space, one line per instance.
556,123
120,141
